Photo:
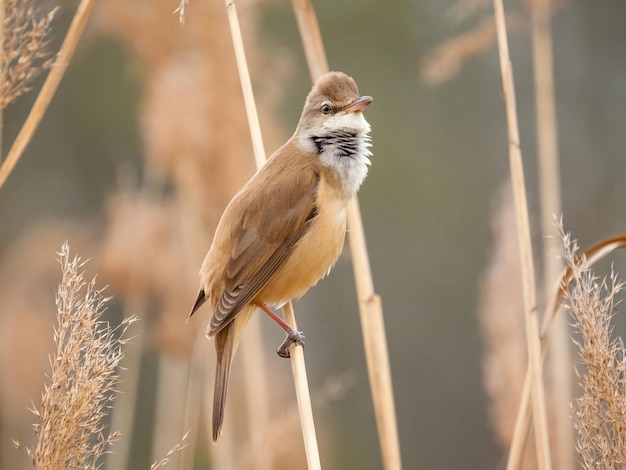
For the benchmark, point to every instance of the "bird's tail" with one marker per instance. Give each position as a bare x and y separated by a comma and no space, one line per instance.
225,348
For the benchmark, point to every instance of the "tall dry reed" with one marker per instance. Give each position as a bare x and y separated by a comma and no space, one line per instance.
48,89
196,143
71,432
370,303
560,361
529,294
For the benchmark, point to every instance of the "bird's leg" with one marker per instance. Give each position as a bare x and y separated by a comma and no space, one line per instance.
293,336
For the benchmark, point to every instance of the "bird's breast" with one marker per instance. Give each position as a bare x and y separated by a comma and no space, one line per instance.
316,252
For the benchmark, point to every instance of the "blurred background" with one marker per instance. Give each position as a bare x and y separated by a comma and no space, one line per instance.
146,141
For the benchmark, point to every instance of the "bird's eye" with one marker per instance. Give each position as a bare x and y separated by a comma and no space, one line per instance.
326,108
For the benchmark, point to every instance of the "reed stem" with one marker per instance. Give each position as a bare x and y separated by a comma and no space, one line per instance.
296,351
559,356
48,89
370,306
525,245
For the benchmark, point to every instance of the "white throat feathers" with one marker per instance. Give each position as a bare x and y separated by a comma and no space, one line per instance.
342,144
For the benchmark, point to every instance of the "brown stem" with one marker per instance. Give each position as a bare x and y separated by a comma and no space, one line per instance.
370,306
296,352
48,89
525,245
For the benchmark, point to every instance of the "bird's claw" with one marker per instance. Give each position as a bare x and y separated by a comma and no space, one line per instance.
292,337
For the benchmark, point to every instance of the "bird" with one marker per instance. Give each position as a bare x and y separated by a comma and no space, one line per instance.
285,229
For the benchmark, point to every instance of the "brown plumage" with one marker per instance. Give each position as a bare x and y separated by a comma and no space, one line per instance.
285,228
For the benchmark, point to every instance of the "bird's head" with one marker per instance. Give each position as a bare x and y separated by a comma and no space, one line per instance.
332,105
333,128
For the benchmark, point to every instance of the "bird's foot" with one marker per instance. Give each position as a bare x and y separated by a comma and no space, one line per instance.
293,336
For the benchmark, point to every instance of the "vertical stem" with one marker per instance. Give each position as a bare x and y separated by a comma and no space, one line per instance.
311,38
246,85
296,351
48,89
526,255
375,342
298,369
370,306
560,363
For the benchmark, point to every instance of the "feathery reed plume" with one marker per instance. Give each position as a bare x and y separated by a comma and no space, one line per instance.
591,255
83,379
24,48
600,413
501,319
28,274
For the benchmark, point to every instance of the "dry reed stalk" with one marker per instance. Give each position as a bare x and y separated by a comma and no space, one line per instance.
192,134
591,256
559,355
83,380
525,245
48,89
282,448
370,306
296,351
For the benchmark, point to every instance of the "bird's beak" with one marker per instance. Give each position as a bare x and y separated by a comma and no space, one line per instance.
357,105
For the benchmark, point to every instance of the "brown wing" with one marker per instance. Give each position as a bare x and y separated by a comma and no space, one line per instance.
268,229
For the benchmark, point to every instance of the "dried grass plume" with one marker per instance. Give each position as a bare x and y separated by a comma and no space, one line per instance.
600,413
24,51
78,395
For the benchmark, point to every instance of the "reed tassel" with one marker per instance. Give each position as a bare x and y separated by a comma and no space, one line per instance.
48,89
296,351
526,255
370,306
592,255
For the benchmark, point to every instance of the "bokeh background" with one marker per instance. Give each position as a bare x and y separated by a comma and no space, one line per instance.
146,141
